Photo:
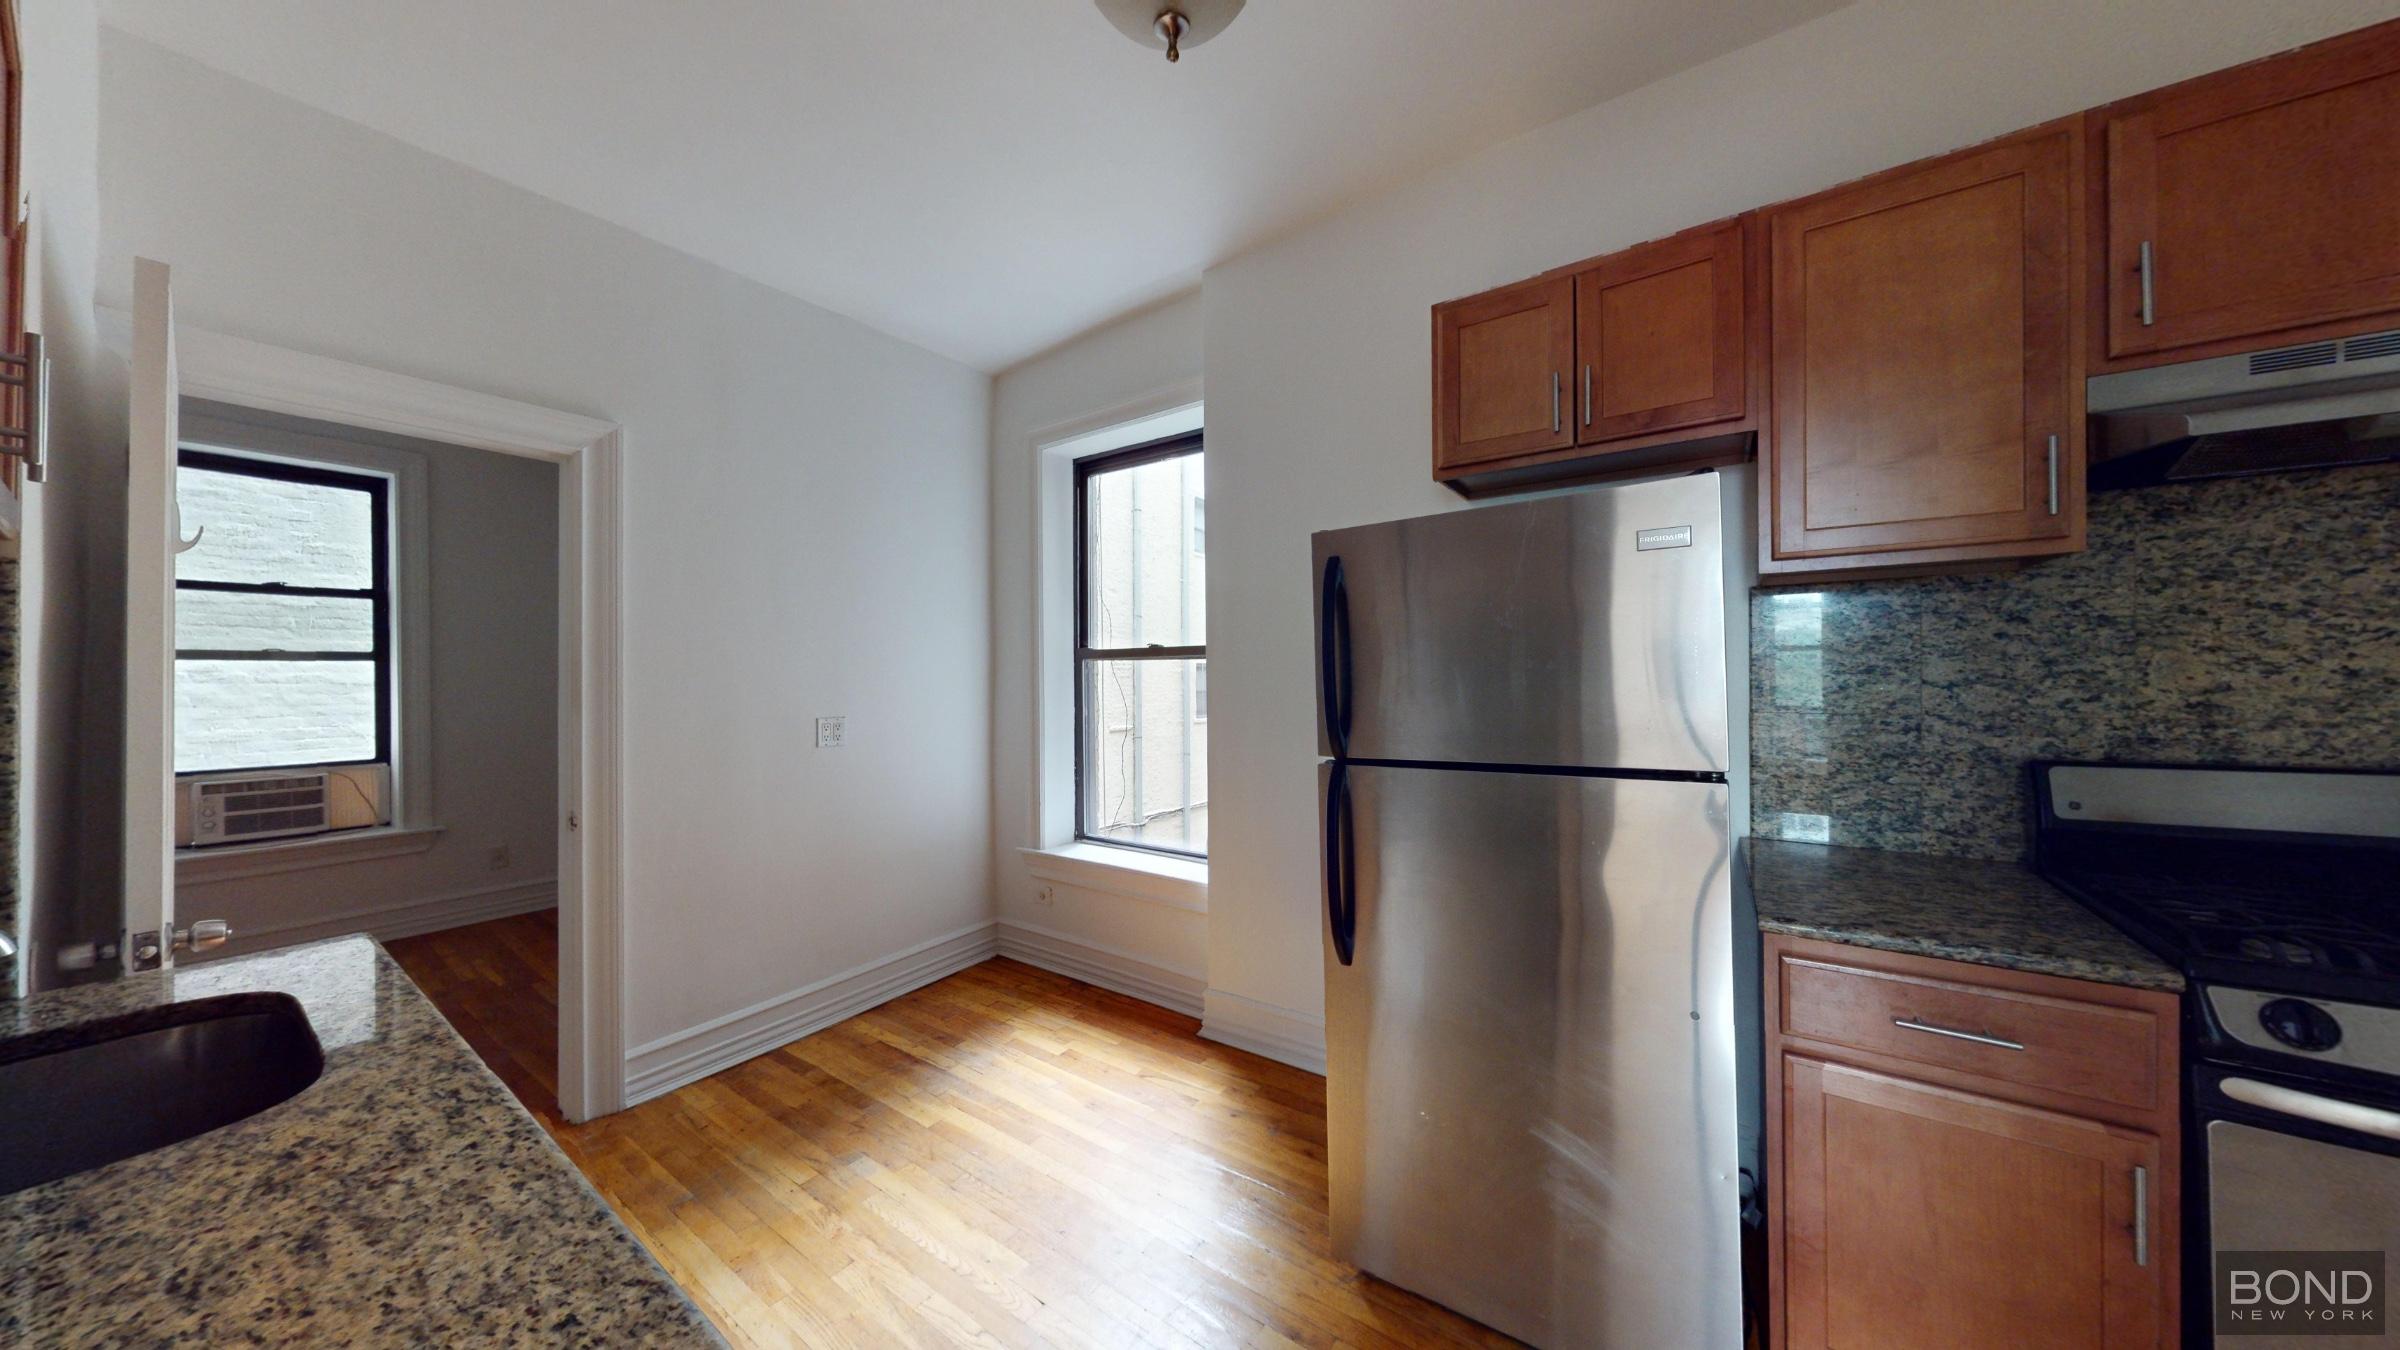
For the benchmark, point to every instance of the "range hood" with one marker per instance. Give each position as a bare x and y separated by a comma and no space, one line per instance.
2312,406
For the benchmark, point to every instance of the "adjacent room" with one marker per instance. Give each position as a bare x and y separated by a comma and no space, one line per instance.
1200,673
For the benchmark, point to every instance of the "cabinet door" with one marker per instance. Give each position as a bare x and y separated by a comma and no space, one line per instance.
1659,335
1928,388
2258,201
1500,365
1917,1216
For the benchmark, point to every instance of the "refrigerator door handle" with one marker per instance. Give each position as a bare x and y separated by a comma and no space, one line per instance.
1341,864
1333,656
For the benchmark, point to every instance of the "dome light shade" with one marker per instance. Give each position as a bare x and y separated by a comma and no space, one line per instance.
1170,25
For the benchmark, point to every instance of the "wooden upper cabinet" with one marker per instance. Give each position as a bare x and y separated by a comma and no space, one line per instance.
2255,204
1928,372
1921,1215
1660,336
15,232
1639,361
1500,363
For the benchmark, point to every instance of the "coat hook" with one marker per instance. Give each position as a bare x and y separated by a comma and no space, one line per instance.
183,545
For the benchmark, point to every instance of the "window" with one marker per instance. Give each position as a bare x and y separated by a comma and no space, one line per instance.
1141,691
282,616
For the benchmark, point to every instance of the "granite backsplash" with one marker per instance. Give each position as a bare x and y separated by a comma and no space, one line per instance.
2252,621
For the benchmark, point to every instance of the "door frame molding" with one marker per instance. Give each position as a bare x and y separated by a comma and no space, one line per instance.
589,453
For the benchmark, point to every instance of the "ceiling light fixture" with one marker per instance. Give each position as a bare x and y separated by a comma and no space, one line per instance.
1171,25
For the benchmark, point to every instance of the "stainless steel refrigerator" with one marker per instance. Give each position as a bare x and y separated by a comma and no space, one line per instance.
1529,715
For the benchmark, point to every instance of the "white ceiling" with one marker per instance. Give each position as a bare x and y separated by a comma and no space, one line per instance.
985,178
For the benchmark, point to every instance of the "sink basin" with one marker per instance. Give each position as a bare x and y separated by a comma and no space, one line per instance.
78,1097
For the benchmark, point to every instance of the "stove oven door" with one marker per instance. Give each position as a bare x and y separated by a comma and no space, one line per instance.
2293,1165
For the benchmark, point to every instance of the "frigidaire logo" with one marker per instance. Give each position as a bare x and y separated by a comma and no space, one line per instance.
2300,1294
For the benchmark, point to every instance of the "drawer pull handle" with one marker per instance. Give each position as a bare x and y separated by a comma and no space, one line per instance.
1927,1027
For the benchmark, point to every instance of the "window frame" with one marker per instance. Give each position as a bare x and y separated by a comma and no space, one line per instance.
1177,446
378,488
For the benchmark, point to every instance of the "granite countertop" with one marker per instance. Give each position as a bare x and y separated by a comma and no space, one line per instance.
404,1198
1964,909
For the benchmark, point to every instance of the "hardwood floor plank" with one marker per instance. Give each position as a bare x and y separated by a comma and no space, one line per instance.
1007,1158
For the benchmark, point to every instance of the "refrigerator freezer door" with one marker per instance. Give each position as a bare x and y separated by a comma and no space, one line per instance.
1580,630
1530,1060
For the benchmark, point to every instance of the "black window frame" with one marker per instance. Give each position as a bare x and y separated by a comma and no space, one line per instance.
378,592
1150,452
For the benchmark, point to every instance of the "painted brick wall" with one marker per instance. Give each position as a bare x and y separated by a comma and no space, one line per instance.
241,714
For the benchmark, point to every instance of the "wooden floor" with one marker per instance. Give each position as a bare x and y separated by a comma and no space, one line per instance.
1006,1158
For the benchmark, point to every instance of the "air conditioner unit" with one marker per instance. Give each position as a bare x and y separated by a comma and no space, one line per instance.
246,808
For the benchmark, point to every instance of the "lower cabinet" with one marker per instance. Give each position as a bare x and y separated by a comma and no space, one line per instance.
1943,1189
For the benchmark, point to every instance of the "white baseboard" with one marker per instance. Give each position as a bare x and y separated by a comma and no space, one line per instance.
1282,1034
663,1065
406,918
1100,964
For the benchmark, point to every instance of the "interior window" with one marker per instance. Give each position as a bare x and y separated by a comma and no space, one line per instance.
282,616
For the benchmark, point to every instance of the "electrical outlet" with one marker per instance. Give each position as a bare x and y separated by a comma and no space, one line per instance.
831,732
498,859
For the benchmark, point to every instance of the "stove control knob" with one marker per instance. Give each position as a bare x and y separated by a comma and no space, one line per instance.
2300,1024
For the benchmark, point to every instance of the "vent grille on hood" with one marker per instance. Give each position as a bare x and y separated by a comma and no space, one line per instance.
2372,346
2295,358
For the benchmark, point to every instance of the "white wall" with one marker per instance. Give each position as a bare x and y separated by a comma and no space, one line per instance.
805,511
1115,371
1317,346
490,536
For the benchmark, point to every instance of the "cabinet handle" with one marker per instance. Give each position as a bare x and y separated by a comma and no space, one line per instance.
2149,287
1554,422
2054,475
2141,1216
1930,1029
1587,394
30,442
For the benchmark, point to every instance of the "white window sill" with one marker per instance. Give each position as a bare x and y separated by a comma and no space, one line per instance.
1178,883
227,862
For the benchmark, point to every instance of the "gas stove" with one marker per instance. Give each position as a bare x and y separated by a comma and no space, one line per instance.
2277,893
2287,882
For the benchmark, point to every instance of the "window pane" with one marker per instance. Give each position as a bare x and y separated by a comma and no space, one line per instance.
1145,754
1144,568
229,621
251,714
264,530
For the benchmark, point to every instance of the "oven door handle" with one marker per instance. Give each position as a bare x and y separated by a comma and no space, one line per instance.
2309,1106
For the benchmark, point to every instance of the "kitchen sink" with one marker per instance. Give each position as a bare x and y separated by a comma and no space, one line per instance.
83,1096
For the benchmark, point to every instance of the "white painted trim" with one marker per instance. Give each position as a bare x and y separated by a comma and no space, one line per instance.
663,1065
1282,1034
1177,883
147,842
254,375
206,866
1054,449
1099,964
406,918
589,453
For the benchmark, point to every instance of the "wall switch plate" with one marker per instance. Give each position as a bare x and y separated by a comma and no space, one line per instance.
831,731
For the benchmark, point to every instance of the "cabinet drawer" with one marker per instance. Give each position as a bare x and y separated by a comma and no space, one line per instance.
2082,1049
